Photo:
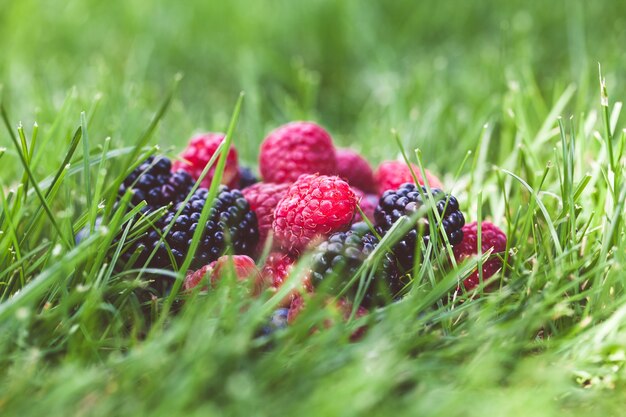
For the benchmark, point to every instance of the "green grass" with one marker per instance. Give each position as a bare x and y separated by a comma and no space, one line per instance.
502,100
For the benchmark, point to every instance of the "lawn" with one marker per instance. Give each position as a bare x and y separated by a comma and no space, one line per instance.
515,105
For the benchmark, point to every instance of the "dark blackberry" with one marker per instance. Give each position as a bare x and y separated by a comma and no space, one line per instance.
231,224
246,177
153,182
277,321
341,256
405,201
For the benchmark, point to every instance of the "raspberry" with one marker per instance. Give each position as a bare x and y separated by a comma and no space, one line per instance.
294,149
346,308
243,266
314,206
342,306
198,154
392,174
231,223
296,306
153,182
491,237
277,267
263,198
367,203
356,170
407,200
246,178
276,271
339,259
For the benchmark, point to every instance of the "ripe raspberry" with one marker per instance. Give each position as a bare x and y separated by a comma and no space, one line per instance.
296,306
277,267
491,237
198,154
346,308
276,271
314,206
367,203
341,306
263,198
406,200
243,265
392,174
356,170
294,149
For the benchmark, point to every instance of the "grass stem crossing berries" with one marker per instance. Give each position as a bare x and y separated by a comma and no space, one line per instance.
198,154
153,183
492,238
308,199
231,225
405,201
392,174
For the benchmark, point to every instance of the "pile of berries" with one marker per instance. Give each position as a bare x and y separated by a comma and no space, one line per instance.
315,203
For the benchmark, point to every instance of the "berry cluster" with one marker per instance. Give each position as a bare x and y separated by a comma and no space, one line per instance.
315,202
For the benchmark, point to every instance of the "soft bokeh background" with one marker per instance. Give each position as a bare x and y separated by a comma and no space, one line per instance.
435,70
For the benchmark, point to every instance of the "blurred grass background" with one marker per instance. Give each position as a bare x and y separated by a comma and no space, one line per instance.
438,71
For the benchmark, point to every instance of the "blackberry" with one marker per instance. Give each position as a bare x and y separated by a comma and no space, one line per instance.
231,224
246,177
341,256
153,182
277,321
406,200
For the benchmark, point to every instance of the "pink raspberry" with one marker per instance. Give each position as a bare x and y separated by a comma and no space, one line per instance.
356,170
367,203
199,152
276,270
314,207
244,267
263,198
390,175
294,149
491,237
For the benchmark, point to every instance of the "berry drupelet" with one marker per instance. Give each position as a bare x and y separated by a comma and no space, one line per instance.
153,182
246,177
231,224
405,201
342,255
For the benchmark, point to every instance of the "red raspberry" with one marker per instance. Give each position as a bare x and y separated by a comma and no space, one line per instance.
294,149
314,206
245,268
342,306
345,307
392,174
276,271
198,154
367,203
356,170
277,267
296,306
263,198
491,237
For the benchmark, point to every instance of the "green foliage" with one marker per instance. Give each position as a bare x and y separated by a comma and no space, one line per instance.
502,100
